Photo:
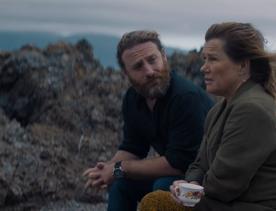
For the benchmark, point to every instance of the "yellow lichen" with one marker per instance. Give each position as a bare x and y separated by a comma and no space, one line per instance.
161,201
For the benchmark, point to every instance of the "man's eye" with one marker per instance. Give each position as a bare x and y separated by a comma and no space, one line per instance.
138,66
152,60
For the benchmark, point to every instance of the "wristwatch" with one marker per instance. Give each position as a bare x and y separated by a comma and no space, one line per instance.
118,171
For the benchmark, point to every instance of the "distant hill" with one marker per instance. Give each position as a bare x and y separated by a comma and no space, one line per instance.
104,46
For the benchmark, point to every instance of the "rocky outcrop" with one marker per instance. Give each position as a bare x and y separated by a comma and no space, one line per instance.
60,113
188,65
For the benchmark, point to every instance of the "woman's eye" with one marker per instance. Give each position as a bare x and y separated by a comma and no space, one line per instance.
212,58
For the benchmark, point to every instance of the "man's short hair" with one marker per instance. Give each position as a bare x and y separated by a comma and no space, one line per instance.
133,38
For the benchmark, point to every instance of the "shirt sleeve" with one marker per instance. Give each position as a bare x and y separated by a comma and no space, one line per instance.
248,140
185,130
132,141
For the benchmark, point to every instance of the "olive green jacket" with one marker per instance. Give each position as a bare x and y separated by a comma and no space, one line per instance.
236,162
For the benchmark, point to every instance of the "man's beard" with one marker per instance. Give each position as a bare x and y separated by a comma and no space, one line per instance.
156,86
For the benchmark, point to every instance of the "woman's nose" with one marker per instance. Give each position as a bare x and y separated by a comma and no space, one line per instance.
204,68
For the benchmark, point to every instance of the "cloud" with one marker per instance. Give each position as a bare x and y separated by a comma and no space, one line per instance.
177,21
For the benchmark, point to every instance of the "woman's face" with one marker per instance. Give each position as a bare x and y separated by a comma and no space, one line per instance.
222,75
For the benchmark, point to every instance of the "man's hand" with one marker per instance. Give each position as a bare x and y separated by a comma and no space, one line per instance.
99,176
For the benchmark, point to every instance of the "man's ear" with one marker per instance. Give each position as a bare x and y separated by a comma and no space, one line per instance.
163,53
124,71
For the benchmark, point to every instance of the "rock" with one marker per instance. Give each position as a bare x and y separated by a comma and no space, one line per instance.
60,113
188,65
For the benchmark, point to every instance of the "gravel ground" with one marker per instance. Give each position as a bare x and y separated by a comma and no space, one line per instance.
74,206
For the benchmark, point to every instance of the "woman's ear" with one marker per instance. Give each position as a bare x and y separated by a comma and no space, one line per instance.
245,69
245,64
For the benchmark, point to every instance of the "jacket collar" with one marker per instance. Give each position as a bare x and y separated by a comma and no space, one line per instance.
249,84
222,107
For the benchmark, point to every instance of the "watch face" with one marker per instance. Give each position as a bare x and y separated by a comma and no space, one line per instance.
118,173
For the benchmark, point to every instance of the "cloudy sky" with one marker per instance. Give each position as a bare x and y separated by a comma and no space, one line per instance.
181,23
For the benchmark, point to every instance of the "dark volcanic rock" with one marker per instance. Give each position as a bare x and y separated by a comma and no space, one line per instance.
60,113
188,65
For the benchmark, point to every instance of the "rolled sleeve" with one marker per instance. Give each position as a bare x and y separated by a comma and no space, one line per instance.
185,130
133,142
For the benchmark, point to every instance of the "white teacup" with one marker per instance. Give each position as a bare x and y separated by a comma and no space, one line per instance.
189,193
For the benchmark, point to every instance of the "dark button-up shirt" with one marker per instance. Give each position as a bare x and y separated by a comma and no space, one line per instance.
175,126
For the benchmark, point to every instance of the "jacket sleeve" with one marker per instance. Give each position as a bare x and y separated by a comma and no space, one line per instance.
198,168
196,171
248,140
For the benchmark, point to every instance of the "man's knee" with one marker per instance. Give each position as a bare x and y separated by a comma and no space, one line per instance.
118,186
117,196
164,183
130,188
125,193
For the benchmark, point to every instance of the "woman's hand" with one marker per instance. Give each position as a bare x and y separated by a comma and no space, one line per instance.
174,188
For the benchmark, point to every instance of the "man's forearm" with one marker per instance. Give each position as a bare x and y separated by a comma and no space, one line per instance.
123,155
149,168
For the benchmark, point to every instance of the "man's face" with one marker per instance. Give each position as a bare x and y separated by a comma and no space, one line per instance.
147,69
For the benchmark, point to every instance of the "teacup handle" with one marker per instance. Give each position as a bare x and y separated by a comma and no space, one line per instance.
177,191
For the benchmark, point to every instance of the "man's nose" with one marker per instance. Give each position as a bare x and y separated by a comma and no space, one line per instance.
148,69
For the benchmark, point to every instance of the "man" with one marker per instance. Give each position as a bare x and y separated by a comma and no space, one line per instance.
160,110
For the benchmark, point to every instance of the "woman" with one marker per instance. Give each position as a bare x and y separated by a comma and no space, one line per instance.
236,163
